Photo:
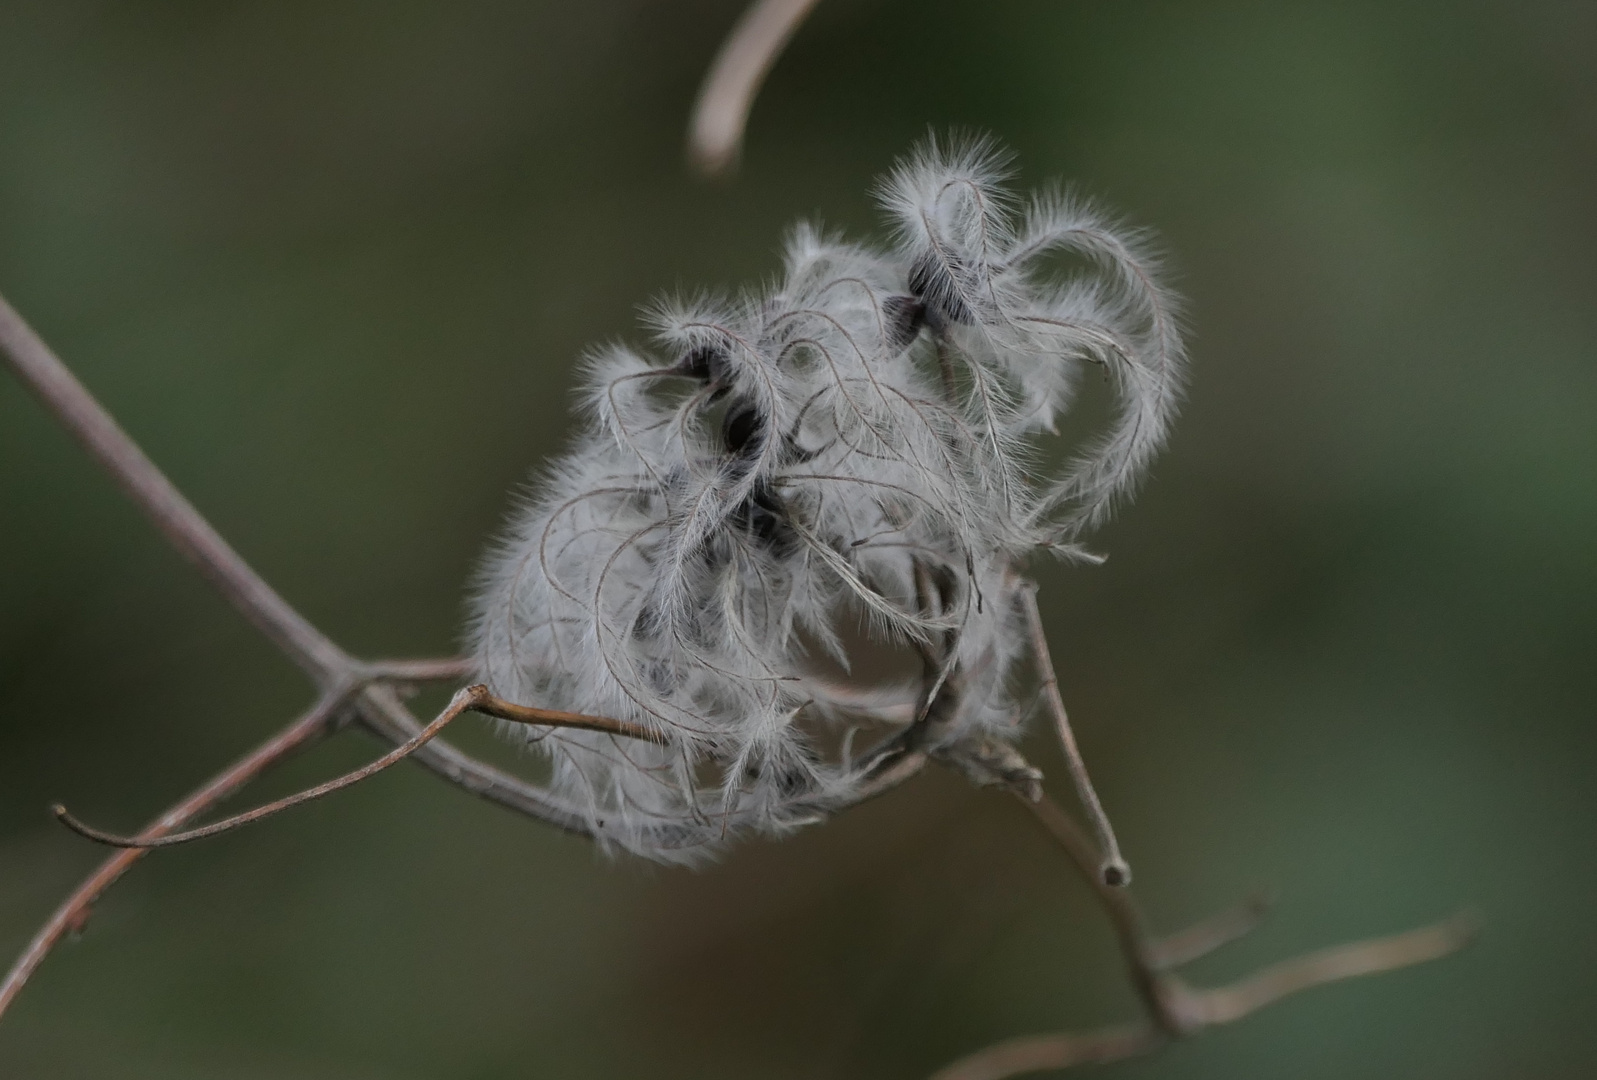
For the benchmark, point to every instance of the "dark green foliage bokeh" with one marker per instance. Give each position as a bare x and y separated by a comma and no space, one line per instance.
331,263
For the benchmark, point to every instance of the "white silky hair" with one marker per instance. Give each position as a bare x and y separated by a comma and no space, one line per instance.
853,446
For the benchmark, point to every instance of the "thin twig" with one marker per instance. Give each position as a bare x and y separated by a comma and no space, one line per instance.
470,699
721,113
378,707
1113,868
1185,946
431,669
381,711
1225,1004
489,705
1136,944
73,913
1039,1053
328,666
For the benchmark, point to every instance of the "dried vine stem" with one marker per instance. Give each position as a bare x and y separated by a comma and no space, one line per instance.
721,113
1176,1009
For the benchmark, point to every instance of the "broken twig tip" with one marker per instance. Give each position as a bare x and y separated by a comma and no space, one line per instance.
89,832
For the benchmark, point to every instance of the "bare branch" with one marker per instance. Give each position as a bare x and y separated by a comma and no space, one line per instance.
1041,1053
1208,1008
189,532
1112,867
440,669
1201,939
715,133
73,914
1228,1003
165,505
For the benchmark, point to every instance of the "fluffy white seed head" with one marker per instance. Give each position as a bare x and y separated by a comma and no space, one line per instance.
846,454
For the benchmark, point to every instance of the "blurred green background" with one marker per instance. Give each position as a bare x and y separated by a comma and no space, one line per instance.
331,263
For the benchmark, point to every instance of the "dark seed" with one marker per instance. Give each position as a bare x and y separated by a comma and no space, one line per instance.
743,430
707,362
904,316
935,283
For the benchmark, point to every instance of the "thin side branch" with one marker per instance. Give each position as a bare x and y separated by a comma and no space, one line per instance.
715,133
381,711
471,699
1226,1004
439,669
1041,1053
1185,946
1223,1005
1113,868
483,702
73,913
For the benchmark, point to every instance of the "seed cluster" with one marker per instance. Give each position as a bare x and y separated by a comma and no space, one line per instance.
848,454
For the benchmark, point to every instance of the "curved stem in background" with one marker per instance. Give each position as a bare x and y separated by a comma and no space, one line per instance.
721,113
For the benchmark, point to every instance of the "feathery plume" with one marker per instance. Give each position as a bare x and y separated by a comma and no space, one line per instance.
850,451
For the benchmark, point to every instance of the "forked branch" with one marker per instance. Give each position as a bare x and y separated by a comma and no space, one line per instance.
1175,1008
